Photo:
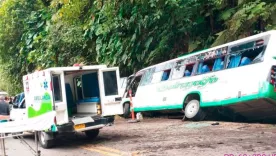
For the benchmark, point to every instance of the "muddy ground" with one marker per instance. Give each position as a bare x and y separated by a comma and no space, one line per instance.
163,136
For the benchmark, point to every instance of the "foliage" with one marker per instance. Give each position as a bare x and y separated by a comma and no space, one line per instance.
247,18
37,34
13,13
137,34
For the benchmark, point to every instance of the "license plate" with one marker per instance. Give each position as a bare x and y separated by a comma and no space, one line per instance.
80,126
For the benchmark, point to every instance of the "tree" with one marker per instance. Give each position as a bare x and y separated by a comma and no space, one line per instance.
130,34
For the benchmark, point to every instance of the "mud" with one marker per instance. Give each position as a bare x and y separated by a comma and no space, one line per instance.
163,136
166,137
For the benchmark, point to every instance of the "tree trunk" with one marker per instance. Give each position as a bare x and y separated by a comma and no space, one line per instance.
56,58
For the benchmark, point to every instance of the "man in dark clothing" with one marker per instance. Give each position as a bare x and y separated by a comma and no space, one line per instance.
4,108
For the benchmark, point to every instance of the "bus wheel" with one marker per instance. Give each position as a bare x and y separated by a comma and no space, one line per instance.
126,110
193,111
91,134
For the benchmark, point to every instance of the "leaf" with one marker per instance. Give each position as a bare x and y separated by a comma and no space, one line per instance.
148,42
193,45
226,14
124,58
220,39
28,41
133,38
138,56
40,24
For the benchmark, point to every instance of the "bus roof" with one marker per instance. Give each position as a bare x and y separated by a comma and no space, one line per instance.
216,47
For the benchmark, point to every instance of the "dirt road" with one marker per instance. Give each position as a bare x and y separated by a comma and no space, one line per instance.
162,136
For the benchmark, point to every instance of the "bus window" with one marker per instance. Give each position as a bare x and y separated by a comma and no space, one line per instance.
234,61
245,56
252,56
166,75
211,65
204,67
147,77
189,70
218,64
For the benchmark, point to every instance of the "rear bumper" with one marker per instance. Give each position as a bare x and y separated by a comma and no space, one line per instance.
99,122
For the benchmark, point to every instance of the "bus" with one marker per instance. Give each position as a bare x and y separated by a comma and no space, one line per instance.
236,79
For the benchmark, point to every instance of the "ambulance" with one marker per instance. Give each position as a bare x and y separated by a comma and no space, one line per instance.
84,98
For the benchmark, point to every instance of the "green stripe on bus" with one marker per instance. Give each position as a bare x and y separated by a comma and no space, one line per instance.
229,101
268,91
163,107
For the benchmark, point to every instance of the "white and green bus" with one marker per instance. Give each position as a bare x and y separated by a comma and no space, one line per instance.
237,78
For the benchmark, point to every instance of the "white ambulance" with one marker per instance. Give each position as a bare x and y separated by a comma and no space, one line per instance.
85,99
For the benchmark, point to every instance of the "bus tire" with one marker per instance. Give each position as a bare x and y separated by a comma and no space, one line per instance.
46,144
193,111
91,134
126,110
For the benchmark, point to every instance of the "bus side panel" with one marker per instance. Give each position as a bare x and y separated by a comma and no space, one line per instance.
38,94
171,94
234,85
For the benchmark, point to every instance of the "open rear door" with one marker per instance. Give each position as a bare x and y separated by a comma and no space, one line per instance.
109,89
59,97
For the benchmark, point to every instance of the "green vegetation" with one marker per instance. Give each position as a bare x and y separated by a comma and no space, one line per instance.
36,34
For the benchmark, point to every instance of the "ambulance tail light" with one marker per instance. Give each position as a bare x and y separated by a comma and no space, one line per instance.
99,109
55,120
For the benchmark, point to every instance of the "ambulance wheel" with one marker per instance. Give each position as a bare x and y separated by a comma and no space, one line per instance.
193,111
126,110
91,134
44,142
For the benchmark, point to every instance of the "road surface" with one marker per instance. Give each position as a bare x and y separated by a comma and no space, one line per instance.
163,136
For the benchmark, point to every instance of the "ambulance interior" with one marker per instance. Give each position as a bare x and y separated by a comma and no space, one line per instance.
83,92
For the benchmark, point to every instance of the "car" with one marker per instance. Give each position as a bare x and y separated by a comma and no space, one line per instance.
17,99
18,110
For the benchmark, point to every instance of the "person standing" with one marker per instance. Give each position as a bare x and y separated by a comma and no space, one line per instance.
10,102
4,110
